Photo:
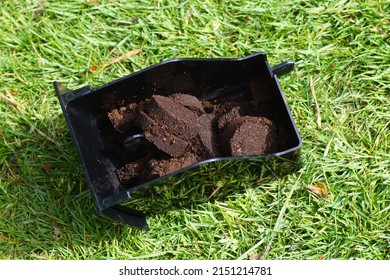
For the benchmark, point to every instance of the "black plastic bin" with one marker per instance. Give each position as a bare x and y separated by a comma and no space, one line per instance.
99,145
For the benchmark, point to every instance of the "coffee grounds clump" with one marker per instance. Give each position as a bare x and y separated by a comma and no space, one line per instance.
185,131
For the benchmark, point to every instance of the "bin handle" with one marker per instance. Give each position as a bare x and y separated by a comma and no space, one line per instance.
283,68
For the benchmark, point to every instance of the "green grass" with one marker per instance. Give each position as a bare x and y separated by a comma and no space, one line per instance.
342,52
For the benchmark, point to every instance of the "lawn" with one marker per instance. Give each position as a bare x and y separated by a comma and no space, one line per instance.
338,94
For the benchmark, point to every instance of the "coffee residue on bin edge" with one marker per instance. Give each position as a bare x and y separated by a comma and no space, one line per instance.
183,130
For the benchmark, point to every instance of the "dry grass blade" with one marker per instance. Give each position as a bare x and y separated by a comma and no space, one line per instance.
11,101
327,148
40,132
121,58
19,108
313,92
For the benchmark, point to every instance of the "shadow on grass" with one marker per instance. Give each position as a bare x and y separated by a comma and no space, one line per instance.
215,181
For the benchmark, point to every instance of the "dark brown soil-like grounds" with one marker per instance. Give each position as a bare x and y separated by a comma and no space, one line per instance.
183,131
